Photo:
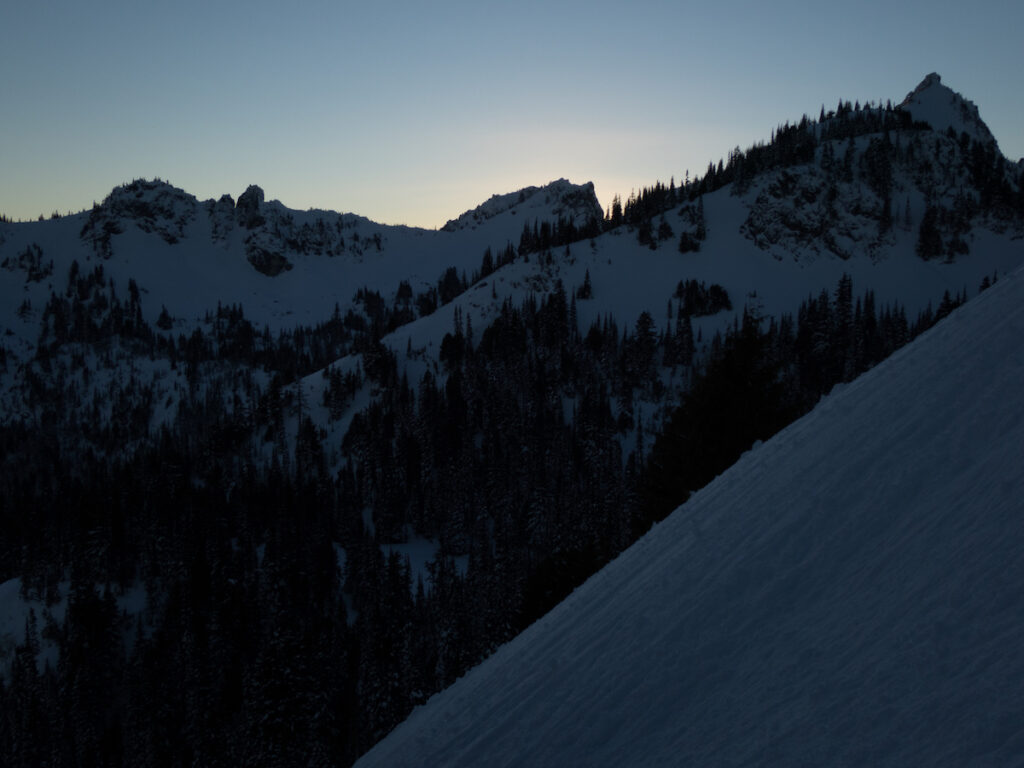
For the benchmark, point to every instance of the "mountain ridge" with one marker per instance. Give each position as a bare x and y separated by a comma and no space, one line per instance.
854,193
408,444
579,201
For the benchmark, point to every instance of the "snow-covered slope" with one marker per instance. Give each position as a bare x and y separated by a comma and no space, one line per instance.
943,108
574,202
251,336
773,239
878,175
849,593
287,267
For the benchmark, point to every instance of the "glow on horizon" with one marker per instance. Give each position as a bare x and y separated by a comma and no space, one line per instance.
409,114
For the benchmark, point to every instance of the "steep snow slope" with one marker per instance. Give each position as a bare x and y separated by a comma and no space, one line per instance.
943,108
847,594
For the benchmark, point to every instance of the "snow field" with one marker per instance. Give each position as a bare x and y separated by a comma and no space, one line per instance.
847,594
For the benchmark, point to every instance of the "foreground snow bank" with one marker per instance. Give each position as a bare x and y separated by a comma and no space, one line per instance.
848,593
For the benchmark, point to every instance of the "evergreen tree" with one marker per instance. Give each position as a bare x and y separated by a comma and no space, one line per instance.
929,239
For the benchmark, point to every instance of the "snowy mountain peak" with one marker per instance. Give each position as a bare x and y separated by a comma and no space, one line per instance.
252,197
153,206
932,79
868,177
248,206
943,108
558,199
148,199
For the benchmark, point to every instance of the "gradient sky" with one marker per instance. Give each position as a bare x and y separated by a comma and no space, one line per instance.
412,112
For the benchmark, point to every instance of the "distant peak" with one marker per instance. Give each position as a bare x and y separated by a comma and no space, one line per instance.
252,197
154,206
932,79
559,185
943,108
145,189
248,207
558,198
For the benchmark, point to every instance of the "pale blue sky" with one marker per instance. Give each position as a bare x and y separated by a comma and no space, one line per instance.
409,112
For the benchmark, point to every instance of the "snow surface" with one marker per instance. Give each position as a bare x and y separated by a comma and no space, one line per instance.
849,593
191,256
576,203
942,107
